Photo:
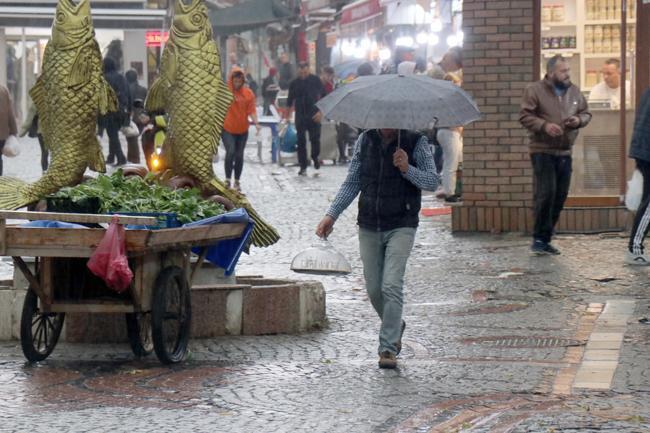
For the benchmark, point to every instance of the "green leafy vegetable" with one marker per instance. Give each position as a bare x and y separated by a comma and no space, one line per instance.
117,193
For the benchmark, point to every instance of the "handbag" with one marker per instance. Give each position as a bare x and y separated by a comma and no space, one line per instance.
634,191
131,130
11,148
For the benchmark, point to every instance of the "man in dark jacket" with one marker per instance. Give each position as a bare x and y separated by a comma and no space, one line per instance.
115,120
552,110
390,179
640,151
304,92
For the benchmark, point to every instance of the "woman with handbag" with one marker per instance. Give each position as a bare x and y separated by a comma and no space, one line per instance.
8,125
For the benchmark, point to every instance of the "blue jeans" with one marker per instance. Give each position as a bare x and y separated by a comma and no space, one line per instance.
384,256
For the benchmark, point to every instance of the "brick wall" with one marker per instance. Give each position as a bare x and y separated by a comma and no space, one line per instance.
498,64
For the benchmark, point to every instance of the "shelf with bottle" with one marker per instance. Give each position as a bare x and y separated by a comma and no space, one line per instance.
548,26
607,10
615,55
606,38
566,52
605,22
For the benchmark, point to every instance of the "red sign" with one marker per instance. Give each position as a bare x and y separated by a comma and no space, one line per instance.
360,11
155,38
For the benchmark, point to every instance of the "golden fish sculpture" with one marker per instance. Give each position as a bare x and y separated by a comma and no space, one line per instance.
190,89
68,95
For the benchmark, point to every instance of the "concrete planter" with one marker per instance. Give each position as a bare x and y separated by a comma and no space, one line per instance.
220,306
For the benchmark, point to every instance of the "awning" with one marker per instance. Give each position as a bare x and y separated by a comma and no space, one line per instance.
39,16
359,11
246,16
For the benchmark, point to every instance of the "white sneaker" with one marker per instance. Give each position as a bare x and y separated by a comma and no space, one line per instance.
636,259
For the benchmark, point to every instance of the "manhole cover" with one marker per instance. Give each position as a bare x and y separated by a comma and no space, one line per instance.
514,342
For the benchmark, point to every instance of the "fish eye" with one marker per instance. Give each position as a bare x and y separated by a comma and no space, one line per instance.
60,17
197,18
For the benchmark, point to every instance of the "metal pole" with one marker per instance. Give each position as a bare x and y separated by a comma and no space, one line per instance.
623,105
23,77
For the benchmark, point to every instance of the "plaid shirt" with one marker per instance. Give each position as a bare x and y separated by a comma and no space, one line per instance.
423,176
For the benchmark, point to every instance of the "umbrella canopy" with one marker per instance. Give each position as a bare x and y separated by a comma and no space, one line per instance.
400,102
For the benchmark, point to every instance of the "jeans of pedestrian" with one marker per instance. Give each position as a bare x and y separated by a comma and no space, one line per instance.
551,181
384,256
114,144
235,145
451,143
642,217
304,126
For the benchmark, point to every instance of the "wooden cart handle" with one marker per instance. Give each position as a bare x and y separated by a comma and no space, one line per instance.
77,217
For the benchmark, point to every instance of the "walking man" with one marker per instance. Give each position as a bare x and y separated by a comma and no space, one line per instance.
552,110
304,92
235,127
8,125
390,179
116,120
640,151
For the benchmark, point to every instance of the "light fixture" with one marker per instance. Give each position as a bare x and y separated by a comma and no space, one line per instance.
384,54
404,41
421,38
452,41
347,48
436,25
461,37
360,52
433,39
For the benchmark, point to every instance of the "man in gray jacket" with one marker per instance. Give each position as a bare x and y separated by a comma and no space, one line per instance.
552,110
640,151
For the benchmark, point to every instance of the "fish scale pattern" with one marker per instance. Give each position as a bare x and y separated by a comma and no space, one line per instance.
68,117
192,92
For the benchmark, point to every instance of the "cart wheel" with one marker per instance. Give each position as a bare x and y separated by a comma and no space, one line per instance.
171,315
138,328
39,332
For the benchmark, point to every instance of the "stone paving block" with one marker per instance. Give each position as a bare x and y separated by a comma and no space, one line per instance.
601,355
613,321
95,328
599,376
603,345
208,312
592,385
619,307
606,336
234,312
594,365
271,310
312,305
17,312
6,313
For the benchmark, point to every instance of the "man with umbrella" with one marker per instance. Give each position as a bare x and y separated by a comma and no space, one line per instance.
390,167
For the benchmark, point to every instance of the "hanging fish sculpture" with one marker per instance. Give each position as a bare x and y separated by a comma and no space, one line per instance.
68,95
190,89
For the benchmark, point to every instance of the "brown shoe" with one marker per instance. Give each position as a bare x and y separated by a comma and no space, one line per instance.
398,345
387,360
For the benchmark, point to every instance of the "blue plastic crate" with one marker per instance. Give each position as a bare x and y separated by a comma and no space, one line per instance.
165,220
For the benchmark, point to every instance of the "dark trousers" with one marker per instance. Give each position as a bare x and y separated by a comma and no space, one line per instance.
304,126
114,144
642,217
44,153
551,181
235,145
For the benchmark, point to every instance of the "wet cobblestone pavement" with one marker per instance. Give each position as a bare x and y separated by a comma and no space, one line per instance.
491,333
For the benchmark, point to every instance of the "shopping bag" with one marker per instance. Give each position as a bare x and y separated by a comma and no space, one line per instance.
109,261
11,147
131,130
634,191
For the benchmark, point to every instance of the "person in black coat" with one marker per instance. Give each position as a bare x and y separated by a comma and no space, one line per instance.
115,120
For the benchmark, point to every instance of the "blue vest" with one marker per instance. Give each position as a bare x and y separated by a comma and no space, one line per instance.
387,201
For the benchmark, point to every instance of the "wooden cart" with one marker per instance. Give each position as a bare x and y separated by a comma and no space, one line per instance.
157,303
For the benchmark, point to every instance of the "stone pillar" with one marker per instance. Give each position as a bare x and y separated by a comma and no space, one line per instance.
135,51
497,66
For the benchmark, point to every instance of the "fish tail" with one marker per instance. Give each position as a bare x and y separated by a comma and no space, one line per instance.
96,160
12,193
264,235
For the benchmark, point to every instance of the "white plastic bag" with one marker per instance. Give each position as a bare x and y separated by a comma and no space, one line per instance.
11,147
634,191
131,130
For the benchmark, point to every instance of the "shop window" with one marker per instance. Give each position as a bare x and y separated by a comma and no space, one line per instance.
590,34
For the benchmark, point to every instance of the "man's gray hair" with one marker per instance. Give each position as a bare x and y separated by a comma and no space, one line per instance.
550,65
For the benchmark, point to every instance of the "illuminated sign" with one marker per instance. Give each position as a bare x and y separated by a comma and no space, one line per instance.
155,38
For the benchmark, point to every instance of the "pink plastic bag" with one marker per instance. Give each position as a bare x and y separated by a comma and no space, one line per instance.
109,262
